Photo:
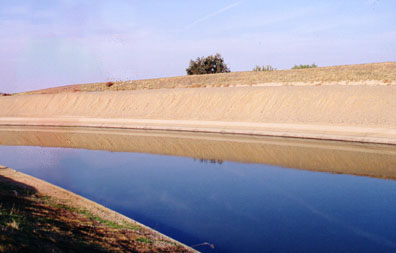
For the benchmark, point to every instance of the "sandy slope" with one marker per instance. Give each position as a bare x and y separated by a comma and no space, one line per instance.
355,113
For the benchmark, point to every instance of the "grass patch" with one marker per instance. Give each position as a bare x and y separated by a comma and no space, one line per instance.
145,240
110,224
91,216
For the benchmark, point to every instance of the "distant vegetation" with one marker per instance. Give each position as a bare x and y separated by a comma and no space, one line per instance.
302,66
207,65
264,68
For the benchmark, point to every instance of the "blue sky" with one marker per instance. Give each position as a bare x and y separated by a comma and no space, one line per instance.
46,43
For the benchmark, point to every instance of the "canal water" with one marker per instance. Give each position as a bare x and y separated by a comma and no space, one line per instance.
233,206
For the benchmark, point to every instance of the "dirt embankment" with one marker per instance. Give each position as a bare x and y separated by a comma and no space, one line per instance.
360,74
353,102
354,113
36,216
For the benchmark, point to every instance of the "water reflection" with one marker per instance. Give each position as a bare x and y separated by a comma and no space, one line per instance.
209,161
235,206
326,156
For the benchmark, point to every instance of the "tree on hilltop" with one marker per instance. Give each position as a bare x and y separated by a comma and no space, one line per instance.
207,65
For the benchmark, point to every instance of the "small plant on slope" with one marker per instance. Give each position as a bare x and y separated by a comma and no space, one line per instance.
306,66
264,68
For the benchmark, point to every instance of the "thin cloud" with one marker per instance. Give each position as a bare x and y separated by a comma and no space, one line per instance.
372,2
213,14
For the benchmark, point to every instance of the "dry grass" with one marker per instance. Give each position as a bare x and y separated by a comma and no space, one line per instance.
384,73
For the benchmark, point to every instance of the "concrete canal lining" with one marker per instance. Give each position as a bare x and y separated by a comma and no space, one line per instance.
340,112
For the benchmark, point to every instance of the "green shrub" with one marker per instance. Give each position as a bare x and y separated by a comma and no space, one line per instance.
207,65
302,66
264,68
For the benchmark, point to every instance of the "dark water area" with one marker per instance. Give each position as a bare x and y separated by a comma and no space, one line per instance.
237,207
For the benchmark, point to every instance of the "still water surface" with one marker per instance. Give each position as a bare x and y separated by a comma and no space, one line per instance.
237,207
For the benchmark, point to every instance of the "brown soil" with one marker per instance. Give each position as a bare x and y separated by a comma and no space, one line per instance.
32,220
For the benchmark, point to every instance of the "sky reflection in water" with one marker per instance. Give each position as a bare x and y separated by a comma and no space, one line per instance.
235,206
